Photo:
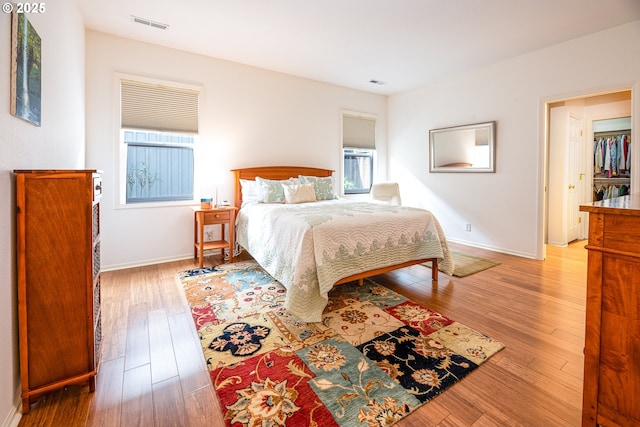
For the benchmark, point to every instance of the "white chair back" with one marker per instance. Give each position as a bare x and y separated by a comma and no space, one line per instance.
386,192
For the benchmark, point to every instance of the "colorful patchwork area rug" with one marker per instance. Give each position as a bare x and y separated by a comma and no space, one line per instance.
375,357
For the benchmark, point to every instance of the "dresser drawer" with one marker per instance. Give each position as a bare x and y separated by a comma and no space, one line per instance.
213,217
621,232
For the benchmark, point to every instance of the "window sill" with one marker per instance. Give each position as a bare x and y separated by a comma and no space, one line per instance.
168,204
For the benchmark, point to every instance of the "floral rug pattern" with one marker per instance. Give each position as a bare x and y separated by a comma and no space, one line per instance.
374,358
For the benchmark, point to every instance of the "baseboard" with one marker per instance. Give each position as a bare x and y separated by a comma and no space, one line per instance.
143,263
13,417
190,256
492,248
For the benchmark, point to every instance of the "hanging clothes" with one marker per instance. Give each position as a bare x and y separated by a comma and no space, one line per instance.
598,158
628,145
611,165
604,192
612,156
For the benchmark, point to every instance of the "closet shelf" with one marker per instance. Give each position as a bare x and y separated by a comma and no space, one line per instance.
612,180
614,133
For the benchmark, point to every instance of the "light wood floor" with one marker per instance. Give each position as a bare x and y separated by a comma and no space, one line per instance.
152,371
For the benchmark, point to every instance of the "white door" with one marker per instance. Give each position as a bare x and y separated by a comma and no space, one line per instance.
575,155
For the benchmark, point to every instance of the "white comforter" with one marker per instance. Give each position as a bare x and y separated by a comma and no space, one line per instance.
308,247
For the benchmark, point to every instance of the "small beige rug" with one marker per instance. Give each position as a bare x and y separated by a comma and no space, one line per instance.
466,265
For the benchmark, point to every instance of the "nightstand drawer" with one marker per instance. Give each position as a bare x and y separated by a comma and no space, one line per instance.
211,217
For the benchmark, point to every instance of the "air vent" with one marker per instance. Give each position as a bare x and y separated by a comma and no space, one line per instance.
377,82
149,22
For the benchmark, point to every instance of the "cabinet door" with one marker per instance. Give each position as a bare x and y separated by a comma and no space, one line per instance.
57,250
619,373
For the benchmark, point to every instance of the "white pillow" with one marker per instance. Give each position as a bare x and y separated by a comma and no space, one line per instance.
299,193
250,191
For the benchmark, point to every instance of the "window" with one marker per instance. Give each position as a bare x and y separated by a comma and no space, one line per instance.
358,150
358,171
159,166
158,136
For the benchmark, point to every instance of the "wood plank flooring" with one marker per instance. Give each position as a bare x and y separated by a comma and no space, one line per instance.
152,372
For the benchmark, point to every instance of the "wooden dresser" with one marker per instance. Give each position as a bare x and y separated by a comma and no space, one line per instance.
58,254
611,393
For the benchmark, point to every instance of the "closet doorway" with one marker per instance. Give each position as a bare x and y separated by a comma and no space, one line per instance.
571,174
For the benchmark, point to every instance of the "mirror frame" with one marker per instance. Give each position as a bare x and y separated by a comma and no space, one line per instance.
434,142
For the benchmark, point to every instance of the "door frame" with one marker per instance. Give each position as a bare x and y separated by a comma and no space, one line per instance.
543,152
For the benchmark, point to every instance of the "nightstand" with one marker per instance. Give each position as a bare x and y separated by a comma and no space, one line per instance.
225,215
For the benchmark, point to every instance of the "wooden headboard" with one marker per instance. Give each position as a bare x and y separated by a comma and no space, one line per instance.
272,172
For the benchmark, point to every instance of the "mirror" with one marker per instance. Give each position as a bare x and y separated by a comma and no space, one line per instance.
469,148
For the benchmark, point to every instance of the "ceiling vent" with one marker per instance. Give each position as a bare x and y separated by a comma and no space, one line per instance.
149,23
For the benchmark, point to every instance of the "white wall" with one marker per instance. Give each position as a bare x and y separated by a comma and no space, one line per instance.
58,143
504,209
249,117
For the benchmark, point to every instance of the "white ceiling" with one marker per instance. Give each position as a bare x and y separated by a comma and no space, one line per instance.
405,43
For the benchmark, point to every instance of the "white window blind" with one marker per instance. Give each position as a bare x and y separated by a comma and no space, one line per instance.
158,107
358,132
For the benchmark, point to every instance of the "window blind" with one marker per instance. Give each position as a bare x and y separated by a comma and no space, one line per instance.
358,132
158,107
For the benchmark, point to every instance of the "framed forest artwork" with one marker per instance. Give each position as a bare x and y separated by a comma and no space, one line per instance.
26,58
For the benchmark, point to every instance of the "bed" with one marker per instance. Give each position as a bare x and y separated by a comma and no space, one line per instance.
311,246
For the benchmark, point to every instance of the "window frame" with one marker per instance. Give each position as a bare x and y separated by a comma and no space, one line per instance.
121,148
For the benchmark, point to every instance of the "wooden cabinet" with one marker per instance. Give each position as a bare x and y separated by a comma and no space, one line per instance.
611,393
58,254
225,215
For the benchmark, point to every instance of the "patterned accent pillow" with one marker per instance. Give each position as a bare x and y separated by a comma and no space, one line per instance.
300,193
323,186
271,191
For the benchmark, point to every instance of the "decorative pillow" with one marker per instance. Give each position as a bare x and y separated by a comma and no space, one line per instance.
323,186
250,191
271,191
300,193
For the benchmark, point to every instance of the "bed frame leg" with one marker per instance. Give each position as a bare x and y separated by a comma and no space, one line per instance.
434,269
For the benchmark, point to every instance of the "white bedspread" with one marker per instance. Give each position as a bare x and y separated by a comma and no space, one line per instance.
308,247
